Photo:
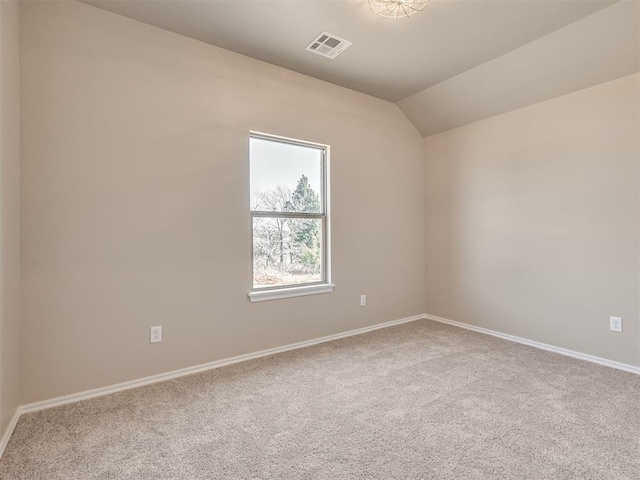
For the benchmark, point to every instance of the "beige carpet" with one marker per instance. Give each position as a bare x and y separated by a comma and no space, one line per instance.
417,401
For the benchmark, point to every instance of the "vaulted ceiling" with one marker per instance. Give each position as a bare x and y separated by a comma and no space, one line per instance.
456,62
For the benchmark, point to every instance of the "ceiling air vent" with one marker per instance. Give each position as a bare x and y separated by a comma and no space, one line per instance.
328,45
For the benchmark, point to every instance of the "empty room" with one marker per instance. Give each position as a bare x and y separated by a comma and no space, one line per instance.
319,239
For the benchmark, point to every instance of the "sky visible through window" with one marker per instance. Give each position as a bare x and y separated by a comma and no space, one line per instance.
275,164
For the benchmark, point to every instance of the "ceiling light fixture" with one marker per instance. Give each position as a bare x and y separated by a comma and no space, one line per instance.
396,8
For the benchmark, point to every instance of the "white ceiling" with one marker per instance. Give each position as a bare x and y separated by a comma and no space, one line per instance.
601,47
388,59
457,62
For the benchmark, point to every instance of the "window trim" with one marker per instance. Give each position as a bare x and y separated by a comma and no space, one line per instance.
297,291
258,294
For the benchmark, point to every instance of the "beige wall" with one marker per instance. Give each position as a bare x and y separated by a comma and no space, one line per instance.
532,224
135,201
135,208
9,213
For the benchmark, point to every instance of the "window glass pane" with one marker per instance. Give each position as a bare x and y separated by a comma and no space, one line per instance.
286,251
285,177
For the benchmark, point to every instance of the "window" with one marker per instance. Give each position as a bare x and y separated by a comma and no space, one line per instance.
290,240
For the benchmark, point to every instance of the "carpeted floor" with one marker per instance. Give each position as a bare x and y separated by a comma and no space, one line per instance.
416,401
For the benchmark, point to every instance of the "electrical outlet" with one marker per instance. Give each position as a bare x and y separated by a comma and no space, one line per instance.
363,300
156,335
615,324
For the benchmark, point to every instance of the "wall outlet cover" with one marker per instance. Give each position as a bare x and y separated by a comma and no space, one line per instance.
155,335
615,324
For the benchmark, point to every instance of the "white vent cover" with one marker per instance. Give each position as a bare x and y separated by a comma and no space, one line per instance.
328,45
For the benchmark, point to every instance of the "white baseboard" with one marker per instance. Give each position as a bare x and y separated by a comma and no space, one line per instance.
543,346
9,431
76,397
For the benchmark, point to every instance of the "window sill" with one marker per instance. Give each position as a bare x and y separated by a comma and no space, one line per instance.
276,294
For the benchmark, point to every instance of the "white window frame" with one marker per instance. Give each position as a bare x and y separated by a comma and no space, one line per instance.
259,294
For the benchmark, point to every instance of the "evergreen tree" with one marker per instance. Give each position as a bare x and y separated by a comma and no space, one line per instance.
306,235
